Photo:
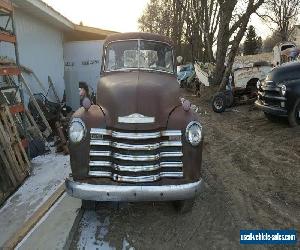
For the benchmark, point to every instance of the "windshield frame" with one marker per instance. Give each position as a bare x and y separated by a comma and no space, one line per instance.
105,54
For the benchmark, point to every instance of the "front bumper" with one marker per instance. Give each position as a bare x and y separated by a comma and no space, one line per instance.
134,193
270,109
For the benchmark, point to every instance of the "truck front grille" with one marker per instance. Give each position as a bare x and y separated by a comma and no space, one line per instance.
135,157
270,94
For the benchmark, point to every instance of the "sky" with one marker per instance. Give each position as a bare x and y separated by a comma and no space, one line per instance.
117,15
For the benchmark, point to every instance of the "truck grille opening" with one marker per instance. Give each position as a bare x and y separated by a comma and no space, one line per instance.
135,157
270,95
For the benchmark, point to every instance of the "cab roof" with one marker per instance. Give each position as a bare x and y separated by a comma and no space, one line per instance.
138,35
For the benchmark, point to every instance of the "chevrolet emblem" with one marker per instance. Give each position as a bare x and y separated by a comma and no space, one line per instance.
136,118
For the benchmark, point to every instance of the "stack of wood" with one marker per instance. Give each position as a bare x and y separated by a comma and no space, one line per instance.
14,163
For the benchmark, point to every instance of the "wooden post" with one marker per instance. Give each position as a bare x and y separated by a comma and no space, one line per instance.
53,88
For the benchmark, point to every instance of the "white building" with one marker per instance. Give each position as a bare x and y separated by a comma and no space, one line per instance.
47,41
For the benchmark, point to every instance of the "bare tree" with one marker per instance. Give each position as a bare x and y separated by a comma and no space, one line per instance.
282,13
199,25
192,25
231,31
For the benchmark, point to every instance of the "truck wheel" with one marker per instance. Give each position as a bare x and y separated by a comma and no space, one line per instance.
88,205
183,84
271,118
294,115
219,102
229,99
183,207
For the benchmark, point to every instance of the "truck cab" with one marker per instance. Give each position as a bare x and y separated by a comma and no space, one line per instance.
140,141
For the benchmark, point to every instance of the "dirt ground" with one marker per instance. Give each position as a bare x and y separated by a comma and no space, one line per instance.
251,168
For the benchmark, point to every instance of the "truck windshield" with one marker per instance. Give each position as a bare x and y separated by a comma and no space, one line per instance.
139,54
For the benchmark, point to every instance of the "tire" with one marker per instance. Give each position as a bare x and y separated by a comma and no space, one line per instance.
229,99
271,118
181,84
294,115
184,206
219,102
88,205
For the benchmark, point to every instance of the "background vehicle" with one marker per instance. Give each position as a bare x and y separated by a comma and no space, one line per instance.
241,87
279,94
187,78
284,52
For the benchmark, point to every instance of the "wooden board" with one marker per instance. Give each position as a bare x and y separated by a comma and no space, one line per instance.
34,219
6,5
5,37
9,70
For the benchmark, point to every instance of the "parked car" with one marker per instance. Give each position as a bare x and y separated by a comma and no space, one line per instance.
141,141
279,94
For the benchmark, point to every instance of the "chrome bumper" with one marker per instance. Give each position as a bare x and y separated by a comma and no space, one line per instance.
270,109
86,191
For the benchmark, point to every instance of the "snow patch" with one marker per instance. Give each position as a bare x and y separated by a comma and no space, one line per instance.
48,172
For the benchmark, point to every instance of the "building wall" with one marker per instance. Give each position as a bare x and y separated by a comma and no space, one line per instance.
82,63
41,49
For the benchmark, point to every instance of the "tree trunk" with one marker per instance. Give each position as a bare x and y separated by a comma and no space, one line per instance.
226,9
237,40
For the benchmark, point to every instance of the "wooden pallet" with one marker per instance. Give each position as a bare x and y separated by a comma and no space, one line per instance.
15,166
28,121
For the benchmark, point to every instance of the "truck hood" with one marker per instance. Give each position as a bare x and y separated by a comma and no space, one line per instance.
148,96
284,73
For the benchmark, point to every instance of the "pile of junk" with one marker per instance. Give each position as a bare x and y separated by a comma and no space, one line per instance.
52,119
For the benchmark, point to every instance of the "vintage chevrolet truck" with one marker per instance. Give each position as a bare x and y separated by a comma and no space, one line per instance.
279,93
140,141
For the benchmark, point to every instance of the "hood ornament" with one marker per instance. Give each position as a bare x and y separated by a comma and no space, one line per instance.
136,118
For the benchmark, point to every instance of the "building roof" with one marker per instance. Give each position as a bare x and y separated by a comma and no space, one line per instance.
72,32
85,33
43,11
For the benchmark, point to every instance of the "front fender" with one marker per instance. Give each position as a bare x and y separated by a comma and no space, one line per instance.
293,93
192,156
79,153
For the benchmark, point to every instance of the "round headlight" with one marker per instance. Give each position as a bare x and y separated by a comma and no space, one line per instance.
258,84
194,133
77,130
283,90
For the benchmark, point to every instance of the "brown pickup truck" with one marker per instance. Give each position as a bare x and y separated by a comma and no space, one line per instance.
140,142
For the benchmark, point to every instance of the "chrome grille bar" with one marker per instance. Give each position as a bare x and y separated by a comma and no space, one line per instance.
100,153
100,143
127,157
133,136
136,168
136,146
100,163
136,157
148,178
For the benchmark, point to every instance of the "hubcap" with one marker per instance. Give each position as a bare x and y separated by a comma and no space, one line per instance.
219,103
